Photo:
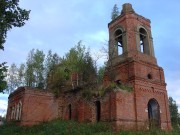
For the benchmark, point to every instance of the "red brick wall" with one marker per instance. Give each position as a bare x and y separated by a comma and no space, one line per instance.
133,67
37,105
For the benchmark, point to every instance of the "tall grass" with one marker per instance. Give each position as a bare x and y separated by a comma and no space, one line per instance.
60,127
57,127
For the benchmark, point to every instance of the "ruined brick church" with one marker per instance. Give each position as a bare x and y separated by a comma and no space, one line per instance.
132,61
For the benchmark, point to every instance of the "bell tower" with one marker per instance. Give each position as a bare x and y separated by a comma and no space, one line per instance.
132,61
130,37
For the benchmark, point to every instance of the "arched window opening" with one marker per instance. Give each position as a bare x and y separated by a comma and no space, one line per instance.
19,110
119,41
98,110
143,41
153,113
14,116
12,112
16,111
69,108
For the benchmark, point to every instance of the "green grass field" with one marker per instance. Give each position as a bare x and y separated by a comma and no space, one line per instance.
59,127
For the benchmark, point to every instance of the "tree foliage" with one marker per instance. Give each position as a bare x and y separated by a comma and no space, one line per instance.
34,73
77,61
115,12
15,77
11,15
51,61
12,78
21,74
173,111
34,76
55,73
101,74
3,70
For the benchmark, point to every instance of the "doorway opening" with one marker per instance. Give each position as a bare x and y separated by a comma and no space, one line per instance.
69,108
153,113
98,110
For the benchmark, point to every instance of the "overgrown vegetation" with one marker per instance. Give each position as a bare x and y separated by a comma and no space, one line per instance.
101,90
76,69
61,127
51,72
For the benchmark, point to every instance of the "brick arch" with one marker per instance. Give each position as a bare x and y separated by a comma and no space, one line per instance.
143,40
119,27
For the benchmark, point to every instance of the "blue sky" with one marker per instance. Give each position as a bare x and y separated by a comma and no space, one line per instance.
59,24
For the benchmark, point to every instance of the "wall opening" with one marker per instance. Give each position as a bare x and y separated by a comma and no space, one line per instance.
149,76
153,113
70,111
144,46
98,110
119,41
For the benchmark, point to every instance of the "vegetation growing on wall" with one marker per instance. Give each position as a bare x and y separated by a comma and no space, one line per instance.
76,69
102,90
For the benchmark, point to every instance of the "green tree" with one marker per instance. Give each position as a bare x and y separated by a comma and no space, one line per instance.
77,61
3,70
29,72
21,75
11,15
115,12
12,78
34,75
173,111
38,66
101,74
57,79
50,62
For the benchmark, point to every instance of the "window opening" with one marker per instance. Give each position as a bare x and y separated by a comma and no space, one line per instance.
69,107
119,41
143,40
12,112
19,111
149,76
98,111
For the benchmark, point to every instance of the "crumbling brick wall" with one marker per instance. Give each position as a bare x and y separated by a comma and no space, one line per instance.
37,106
